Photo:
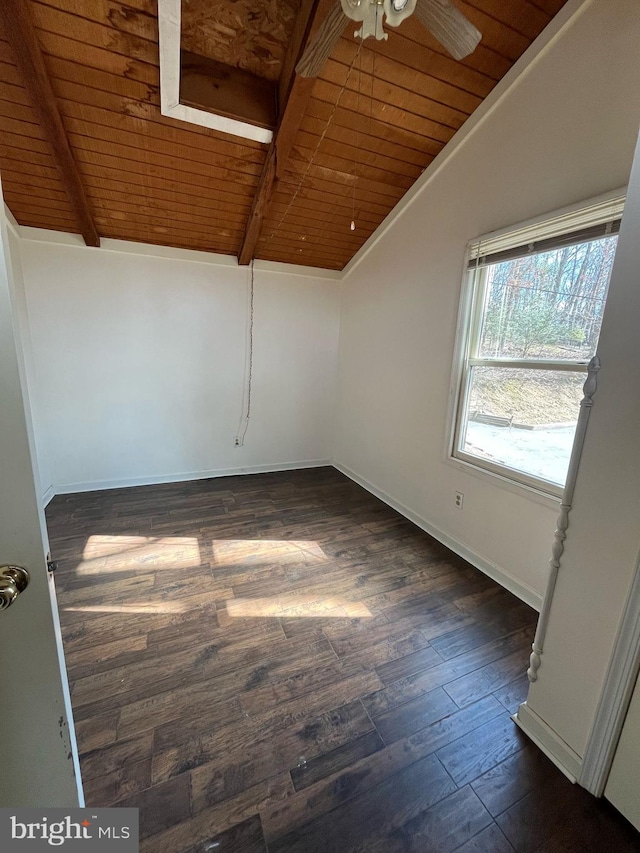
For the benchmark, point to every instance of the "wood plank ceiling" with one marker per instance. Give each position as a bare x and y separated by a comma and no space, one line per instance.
372,123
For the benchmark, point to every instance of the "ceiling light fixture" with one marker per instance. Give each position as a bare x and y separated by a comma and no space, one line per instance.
373,13
442,18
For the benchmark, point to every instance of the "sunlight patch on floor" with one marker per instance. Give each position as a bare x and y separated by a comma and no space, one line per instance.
141,607
103,554
229,552
108,545
304,606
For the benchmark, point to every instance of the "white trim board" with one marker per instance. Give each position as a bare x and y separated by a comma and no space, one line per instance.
616,695
129,482
544,737
539,47
524,592
66,689
151,250
169,12
11,221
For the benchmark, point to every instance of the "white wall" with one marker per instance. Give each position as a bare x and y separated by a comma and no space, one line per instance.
563,133
603,540
42,472
139,362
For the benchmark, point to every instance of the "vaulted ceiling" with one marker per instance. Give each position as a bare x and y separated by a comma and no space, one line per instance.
84,147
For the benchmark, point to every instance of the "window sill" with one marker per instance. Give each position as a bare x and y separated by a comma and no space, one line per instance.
503,481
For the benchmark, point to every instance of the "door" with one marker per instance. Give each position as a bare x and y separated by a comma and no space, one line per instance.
623,785
39,759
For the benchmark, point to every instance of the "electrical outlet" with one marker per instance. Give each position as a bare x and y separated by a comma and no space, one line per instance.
237,441
459,500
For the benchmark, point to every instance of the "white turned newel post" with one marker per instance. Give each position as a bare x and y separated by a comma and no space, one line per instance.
560,535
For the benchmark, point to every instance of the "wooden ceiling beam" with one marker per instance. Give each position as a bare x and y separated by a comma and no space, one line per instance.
294,95
297,42
20,32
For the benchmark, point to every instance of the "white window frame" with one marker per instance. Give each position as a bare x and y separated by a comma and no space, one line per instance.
604,211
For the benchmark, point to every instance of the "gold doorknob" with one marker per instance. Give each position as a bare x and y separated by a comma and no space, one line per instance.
13,581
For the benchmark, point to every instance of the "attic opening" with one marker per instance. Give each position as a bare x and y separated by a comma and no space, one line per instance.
221,71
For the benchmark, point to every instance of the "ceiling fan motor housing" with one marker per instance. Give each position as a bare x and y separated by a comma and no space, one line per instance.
372,14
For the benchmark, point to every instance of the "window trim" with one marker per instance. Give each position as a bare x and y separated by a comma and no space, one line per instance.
576,218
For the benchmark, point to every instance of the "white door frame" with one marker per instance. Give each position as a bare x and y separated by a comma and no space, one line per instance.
619,684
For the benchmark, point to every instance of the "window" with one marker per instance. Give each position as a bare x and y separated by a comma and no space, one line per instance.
531,319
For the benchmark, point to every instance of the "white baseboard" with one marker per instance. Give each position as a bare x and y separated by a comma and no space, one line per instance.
48,497
553,746
524,592
100,485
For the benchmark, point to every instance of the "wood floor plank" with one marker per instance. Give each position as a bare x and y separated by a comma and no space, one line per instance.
328,763
406,689
116,592
512,779
416,807
336,681
322,797
386,632
404,644
488,679
115,785
245,837
331,628
512,695
161,673
211,823
600,828
162,806
92,659
537,817
374,814
415,715
283,660
490,840
425,598
247,761
483,631
179,748
444,826
84,630
113,757
202,624
475,753
97,731
195,701
408,665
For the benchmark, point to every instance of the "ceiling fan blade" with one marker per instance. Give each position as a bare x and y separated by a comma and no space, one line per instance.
449,26
323,42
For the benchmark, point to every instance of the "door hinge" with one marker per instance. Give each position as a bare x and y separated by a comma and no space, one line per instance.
52,566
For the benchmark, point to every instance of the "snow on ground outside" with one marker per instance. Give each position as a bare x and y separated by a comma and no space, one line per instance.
540,452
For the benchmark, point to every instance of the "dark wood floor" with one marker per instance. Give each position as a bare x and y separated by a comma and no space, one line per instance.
280,662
